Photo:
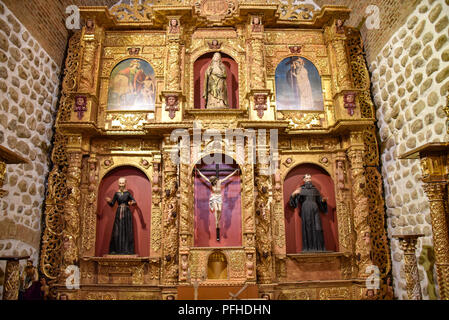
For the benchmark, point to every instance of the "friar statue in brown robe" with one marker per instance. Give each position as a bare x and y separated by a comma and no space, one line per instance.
309,198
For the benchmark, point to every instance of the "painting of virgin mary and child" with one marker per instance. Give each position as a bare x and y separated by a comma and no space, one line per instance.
298,85
132,86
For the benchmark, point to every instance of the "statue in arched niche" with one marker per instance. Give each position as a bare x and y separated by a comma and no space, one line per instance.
311,202
215,88
122,238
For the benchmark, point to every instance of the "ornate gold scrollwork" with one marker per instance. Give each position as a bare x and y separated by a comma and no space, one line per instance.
51,248
70,82
136,11
11,285
294,10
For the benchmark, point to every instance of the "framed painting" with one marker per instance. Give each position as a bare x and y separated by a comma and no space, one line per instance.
298,85
132,86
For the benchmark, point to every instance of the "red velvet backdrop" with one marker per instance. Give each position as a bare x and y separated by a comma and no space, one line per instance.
199,68
140,188
323,182
231,216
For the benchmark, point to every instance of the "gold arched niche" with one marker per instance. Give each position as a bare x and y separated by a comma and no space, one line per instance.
217,266
237,55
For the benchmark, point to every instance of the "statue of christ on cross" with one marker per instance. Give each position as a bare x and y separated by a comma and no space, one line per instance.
215,200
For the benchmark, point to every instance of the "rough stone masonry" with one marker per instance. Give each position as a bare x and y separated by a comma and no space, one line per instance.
29,86
410,80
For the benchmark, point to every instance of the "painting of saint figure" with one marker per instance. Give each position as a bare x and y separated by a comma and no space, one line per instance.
298,85
132,86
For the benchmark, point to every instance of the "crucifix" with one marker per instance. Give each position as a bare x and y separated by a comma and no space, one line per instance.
215,200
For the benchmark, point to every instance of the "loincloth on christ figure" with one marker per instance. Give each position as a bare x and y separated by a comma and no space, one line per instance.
214,199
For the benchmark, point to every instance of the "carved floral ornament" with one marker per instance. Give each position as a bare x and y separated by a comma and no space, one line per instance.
212,10
216,10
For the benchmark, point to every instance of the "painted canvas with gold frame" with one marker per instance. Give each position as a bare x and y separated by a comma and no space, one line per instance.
298,85
132,86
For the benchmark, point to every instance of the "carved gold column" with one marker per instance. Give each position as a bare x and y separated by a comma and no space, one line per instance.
264,202
170,214
173,82
408,245
434,157
186,190
71,232
278,222
156,212
436,192
256,56
435,168
259,95
336,42
90,54
344,217
172,95
89,62
89,220
248,200
12,277
360,203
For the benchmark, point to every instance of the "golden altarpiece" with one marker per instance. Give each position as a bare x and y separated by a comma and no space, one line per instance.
161,49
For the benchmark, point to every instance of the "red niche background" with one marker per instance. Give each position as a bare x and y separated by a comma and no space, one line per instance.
323,182
231,216
139,186
199,68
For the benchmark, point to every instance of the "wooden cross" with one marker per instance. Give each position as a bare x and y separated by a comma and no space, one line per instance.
217,170
195,283
235,296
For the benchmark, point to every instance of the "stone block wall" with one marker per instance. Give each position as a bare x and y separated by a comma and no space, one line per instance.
29,86
391,13
410,80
